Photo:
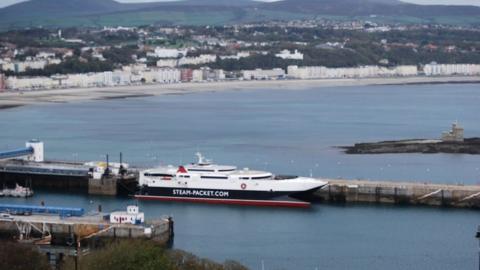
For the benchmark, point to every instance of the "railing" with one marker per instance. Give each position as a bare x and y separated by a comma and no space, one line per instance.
16,153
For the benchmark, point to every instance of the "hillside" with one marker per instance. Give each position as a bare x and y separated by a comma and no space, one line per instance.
64,13
370,7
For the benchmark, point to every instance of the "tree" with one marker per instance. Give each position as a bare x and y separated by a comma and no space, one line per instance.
16,256
146,255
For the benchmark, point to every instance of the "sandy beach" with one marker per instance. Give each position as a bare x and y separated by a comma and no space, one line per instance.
11,99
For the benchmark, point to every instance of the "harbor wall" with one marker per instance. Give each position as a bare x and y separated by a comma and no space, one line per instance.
65,177
407,193
45,181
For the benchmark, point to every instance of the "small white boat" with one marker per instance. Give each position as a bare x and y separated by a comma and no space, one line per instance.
18,191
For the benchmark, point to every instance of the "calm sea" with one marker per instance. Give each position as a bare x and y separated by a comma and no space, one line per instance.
287,132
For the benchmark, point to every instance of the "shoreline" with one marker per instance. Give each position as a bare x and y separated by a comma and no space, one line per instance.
12,99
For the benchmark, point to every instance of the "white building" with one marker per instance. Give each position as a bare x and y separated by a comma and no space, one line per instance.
167,53
22,66
286,54
131,216
197,75
162,75
197,60
261,74
45,55
30,83
108,78
121,77
236,56
167,63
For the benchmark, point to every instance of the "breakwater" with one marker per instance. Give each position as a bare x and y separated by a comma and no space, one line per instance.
467,146
408,193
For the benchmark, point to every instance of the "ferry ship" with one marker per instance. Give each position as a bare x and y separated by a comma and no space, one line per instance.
224,184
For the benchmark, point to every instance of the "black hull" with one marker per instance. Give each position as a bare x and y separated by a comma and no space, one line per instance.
214,196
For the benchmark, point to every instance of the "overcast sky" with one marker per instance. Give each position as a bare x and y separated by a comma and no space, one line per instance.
4,3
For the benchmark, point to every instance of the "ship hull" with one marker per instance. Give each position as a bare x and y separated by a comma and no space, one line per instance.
215,196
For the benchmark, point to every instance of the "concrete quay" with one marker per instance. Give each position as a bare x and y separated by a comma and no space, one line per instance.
38,227
58,237
406,193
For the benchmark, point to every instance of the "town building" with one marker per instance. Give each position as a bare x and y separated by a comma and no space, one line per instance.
286,54
161,75
30,83
263,74
197,60
197,75
167,63
160,52
2,82
237,56
186,75
29,63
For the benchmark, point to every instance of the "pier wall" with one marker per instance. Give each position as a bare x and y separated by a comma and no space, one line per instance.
50,182
345,191
64,176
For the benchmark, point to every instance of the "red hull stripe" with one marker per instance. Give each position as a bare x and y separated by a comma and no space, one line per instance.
228,201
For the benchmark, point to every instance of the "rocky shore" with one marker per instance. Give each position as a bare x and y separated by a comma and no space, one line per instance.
468,146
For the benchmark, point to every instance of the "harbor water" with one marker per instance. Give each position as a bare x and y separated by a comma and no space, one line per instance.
288,132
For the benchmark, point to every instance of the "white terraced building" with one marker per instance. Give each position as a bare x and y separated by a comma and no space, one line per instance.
162,75
107,78
435,69
263,74
320,72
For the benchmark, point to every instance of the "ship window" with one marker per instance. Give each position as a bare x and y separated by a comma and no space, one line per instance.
214,177
261,177
184,176
244,178
158,174
227,170
200,170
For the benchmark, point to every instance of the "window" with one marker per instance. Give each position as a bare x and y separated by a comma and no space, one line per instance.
214,177
158,174
261,177
200,170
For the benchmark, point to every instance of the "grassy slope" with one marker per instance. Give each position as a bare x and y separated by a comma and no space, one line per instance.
205,17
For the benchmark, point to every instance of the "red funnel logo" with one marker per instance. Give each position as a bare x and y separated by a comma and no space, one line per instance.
181,169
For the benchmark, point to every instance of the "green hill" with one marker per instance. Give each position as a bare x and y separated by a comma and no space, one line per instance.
64,13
